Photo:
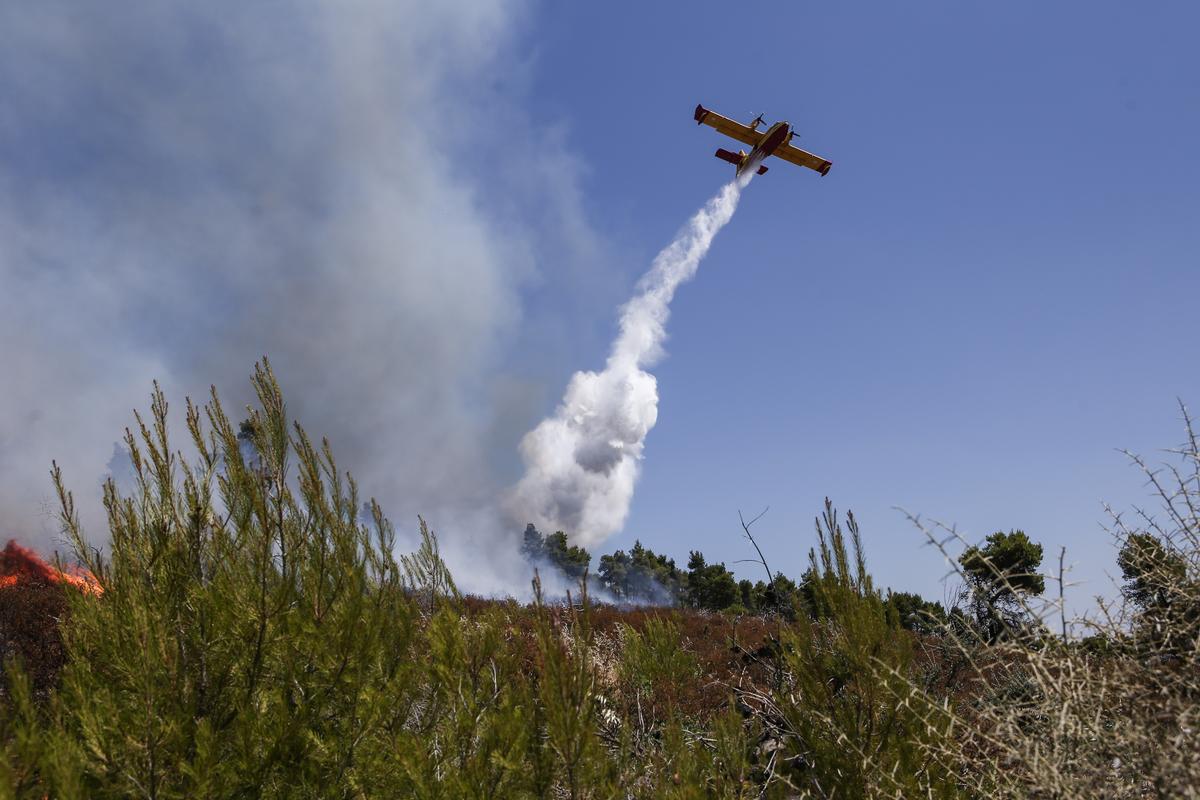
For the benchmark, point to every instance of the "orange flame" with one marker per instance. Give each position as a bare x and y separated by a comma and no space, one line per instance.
19,565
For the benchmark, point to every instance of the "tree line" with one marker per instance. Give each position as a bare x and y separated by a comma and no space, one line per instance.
1000,576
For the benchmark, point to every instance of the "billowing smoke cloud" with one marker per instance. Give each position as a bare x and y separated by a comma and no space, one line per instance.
582,463
185,187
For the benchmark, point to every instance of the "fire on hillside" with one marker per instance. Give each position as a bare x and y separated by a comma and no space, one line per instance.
20,565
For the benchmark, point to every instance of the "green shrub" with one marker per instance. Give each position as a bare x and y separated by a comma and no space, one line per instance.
257,637
253,632
850,721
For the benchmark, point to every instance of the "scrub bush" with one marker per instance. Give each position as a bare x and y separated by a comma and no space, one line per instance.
255,635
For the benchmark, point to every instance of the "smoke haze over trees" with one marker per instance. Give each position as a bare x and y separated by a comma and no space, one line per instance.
642,577
186,187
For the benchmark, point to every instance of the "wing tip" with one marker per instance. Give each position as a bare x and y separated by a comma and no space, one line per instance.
700,113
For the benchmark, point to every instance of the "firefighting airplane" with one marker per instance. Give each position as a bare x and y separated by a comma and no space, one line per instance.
776,141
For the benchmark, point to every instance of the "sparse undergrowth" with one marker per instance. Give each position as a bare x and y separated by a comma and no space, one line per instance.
257,637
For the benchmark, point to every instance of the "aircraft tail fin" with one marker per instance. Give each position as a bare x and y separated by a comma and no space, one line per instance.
732,158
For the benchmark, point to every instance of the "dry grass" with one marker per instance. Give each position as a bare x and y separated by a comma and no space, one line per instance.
1114,714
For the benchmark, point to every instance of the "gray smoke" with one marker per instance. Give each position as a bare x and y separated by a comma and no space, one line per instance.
185,187
583,462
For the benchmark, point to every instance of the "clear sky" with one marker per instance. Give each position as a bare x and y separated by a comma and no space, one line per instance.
427,216
993,289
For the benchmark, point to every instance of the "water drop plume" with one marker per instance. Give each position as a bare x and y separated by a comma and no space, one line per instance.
582,463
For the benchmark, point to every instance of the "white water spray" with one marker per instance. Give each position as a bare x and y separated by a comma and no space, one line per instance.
582,463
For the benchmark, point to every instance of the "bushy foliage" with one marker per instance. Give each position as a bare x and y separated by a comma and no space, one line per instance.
915,612
1000,576
257,636
1165,598
709,586
252,628
848,721
642,575
1151,571
555,552
783,597
1113,713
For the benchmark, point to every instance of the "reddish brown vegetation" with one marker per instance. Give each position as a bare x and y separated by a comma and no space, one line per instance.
731,652
32,603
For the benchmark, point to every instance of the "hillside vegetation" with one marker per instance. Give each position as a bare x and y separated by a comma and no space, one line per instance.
251,632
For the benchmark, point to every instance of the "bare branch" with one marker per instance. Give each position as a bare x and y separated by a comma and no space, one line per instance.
746,529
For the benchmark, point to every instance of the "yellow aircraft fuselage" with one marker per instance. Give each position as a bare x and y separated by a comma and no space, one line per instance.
777,134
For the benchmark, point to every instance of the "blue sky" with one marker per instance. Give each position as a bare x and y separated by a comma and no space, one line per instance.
427,217
992,290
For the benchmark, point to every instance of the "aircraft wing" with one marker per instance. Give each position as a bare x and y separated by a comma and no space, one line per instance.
732,129
803,158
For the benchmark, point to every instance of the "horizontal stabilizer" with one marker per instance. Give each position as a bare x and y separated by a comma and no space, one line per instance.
732,158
